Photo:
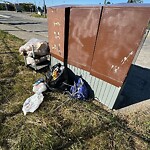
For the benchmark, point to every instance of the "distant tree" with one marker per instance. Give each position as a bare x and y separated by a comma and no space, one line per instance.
28,7
2,6
39,9
45,9
135,1
108,3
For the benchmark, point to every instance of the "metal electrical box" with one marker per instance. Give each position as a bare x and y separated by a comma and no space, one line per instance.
120,33
98,42
57,19
83,27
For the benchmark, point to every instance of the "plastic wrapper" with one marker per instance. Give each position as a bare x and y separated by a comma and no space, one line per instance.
39,88
31,61
34,62
32,103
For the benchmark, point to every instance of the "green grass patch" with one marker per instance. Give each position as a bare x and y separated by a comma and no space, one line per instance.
59,122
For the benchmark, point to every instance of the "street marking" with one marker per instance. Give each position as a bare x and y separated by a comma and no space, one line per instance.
4,16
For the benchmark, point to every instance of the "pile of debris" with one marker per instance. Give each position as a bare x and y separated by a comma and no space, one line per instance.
36,52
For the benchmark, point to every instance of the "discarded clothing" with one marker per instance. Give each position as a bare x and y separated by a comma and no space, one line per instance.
79,90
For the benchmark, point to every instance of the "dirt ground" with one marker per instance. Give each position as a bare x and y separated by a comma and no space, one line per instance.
138,114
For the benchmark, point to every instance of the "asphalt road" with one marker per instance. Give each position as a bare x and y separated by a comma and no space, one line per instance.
23,25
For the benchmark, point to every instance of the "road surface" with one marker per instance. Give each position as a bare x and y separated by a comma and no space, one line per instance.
23,25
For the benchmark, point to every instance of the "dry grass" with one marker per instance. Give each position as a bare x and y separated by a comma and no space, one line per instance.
38,16
149,26
59,123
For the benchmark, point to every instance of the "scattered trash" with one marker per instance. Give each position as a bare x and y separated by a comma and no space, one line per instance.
36,52
57,77
30,60
40,47
34,61
32,103
38,81
39,88
55,72
79,90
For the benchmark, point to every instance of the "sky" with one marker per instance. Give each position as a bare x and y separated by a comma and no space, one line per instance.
60,2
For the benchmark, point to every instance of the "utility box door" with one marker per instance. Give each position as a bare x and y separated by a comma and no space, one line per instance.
83,27
56,29
120,33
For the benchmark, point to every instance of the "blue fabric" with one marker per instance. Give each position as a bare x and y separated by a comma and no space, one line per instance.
79,90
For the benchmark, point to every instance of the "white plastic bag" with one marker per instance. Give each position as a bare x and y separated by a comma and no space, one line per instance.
31,61
39,88
40,47
32,103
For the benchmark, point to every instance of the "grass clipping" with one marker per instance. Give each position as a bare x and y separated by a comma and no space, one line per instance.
59,123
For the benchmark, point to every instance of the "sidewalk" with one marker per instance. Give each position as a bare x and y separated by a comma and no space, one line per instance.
23,25
23,34
143,58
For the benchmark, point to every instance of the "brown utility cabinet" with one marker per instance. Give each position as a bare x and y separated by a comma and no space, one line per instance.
120,33
100,39
83,27
57,20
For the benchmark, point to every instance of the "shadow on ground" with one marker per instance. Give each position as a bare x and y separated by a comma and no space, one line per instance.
23,23
26,30
136,87
19,23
